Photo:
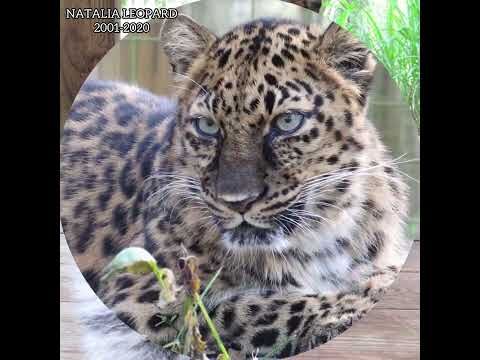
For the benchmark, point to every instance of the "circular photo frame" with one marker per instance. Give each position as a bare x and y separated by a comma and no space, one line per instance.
238,185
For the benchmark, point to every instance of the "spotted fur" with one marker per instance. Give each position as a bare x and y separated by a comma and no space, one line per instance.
315,246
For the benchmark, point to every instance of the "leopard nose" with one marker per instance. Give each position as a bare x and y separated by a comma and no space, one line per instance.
239,202
242,202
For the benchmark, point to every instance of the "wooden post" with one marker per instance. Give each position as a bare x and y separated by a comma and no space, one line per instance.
80,50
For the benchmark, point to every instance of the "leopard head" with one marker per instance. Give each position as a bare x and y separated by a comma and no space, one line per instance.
271,123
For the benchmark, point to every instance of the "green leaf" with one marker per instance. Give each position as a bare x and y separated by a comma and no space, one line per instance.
133,260
136,260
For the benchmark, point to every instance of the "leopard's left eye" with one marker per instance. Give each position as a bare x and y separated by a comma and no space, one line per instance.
290,122
206,126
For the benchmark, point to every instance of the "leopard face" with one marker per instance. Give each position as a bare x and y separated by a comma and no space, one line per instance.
270,111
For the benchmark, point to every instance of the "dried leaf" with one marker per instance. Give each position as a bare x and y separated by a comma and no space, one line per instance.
189,267
169,290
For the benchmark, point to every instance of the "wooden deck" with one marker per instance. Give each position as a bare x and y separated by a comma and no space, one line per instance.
391,331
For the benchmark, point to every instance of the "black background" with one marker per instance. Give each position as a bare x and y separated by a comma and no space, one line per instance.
30,253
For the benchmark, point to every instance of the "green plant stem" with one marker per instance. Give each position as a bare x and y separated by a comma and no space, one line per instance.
158,274
167,295
209,285
211,326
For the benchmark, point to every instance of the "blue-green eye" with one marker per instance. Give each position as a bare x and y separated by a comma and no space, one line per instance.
206,126
290,122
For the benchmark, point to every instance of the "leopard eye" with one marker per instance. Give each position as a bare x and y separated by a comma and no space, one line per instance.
290,122
206,126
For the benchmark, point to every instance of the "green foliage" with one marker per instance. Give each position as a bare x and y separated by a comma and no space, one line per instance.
391,30
412,227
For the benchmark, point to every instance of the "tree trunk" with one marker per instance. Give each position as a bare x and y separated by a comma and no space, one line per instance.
80,50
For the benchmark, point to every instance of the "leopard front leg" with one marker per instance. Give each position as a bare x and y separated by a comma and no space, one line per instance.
269,323
277,325
134,298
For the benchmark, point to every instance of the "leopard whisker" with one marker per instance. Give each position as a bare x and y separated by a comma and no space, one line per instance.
309,214
302,225
180,87
327,175
190,79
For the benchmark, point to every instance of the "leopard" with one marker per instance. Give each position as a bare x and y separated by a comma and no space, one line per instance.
264,167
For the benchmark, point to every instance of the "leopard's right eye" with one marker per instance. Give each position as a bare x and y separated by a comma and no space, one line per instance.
290,122
206,127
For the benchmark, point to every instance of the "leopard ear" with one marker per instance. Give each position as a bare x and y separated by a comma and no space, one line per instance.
340,50
183,40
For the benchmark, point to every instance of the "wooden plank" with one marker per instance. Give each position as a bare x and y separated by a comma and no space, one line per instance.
404,294
80,50
71,355
413,261
70,341
71,334
71,329
380,335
